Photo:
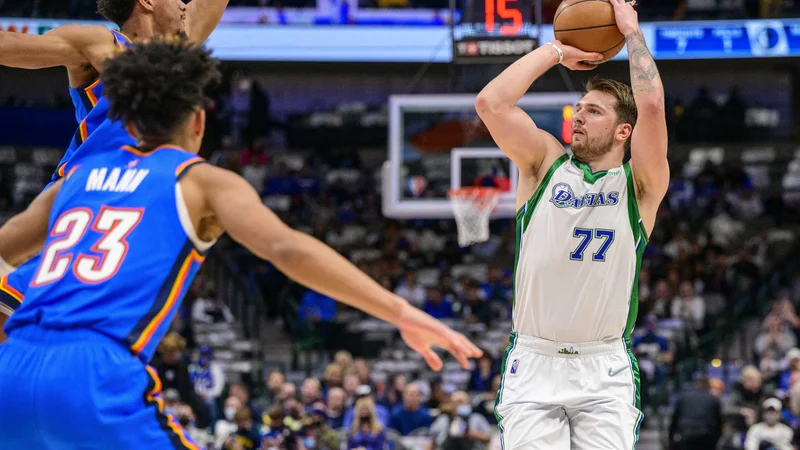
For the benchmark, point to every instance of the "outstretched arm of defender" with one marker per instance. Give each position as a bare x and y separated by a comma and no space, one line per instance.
512,128
649,139
71,46
204,16
24,234
312,263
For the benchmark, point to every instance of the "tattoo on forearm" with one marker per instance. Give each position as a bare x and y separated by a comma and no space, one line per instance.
644,73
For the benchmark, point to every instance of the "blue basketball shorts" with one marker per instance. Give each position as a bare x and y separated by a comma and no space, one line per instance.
78,389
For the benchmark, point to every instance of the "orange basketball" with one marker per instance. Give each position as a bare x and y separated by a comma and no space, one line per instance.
589,25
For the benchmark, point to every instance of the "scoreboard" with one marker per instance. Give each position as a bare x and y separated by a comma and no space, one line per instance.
492,31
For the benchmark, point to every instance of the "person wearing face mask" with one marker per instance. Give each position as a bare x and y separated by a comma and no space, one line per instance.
366,433
247,436
770,434
458,427
318,435
225,426
187,418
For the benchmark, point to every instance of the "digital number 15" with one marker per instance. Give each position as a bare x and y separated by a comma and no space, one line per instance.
501,9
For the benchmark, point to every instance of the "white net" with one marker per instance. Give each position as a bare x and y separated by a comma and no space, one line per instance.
472,208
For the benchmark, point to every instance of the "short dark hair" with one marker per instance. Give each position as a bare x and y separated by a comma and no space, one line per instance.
117,11
625,106
157,84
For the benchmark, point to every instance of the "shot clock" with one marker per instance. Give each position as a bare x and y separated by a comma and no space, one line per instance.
493,31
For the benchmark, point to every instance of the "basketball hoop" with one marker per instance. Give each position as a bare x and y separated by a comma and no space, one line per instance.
472,207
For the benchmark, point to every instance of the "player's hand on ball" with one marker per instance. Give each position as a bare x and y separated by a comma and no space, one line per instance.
577,59
627,18
421,332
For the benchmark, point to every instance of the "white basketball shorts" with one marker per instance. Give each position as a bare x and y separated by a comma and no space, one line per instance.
568,396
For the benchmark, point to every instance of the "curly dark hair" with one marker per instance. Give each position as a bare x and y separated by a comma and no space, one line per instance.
157,84
117,11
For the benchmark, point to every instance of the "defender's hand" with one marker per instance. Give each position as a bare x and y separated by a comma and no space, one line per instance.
577,59
627,18
421,332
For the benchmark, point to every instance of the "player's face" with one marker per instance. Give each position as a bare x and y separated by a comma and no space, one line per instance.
170,16
594,126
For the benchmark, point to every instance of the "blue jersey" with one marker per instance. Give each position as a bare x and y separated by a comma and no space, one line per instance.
121,252
91,112
95,132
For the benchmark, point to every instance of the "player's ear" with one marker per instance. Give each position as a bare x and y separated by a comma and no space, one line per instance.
147,5
624,132
199,122
131,129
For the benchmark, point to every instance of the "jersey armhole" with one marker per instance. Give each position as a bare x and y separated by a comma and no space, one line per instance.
186,221
637,226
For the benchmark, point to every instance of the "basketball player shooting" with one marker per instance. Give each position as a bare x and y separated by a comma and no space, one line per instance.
569,379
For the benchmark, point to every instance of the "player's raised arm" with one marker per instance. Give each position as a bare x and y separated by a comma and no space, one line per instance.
238,208
24,234
512,128
203,16
71,46
649,138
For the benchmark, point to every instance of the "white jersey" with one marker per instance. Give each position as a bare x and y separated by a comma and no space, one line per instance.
579,246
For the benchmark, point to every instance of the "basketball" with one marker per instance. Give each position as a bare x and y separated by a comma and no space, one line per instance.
589,25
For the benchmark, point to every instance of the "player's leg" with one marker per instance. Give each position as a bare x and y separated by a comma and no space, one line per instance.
528,412
608,416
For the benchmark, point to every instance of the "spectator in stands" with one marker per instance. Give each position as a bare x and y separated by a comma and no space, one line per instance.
775,339
226,426
333,376
310,392
319,435
740,409
458,427
317,309
172,399
724,228
393,393
246,436
744,273
747,204
366,432
696,419
410,415
361,369
652,351
336,408
483,404
174,373
659,304
771,433
474,309
208,379
350,386
208,308
243,394
679,243
481,378
688,307
276,425
436,305
438,395
187,420
410,289
382,414
274,383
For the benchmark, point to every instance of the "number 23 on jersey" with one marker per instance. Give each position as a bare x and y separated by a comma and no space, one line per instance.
106,254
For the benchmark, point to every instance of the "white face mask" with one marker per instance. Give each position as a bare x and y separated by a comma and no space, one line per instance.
772,418
229,413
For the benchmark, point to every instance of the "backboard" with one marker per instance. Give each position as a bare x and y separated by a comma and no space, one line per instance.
438,143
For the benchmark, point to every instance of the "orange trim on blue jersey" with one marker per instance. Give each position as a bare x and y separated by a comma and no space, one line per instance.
178,429
153,396
71,171
186,164
5,287
84,131
137,152
60,171
90,93
116,41
174,294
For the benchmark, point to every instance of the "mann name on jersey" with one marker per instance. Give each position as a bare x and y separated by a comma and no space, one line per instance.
105,179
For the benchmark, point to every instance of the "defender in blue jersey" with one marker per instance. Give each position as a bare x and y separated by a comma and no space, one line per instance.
123,234
83,51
